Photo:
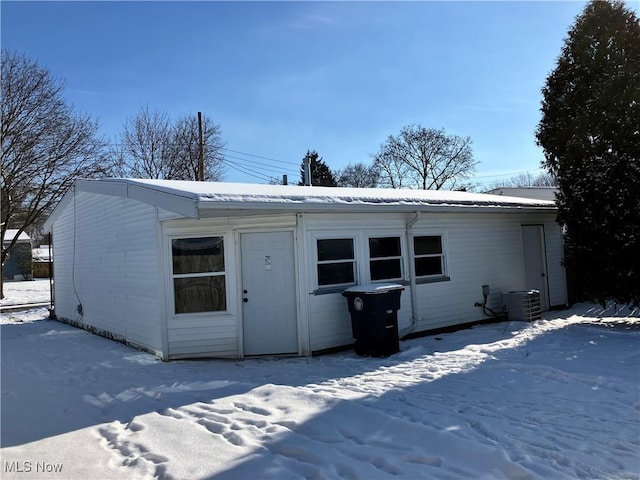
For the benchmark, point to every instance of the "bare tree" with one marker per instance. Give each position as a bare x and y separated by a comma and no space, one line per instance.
358,175
152,146
392,169
145,146
185,148
45,146
424,158
527,179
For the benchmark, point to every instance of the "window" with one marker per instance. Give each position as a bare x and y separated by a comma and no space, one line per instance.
429,259
198,275
385,258
336,262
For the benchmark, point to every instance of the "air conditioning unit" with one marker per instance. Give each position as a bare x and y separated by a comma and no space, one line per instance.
522,305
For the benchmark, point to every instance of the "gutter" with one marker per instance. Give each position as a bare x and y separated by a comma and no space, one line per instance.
412,277
209,205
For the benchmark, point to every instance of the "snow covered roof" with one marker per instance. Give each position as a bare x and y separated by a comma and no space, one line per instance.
11,234
205,199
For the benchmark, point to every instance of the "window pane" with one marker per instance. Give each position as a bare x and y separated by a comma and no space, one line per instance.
384,247
335,273
383,269
427,245
198,255
200,294
428,266
335,249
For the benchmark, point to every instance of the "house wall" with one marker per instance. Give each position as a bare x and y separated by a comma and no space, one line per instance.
213,334
117,263
480,248
18,264
106,259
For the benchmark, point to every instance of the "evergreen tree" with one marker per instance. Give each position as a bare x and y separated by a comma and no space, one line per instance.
321,175
590,133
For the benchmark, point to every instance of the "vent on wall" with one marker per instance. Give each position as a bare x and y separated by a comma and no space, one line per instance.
522,305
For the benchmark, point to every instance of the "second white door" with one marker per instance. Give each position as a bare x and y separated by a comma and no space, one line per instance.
535,265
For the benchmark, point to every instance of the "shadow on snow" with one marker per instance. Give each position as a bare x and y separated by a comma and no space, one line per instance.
61,379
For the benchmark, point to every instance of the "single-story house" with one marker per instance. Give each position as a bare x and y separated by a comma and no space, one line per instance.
17,266
200,269
539,193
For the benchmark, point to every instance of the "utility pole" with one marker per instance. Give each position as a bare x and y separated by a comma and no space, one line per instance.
200,150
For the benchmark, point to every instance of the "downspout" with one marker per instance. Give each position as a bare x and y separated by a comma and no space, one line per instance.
412,277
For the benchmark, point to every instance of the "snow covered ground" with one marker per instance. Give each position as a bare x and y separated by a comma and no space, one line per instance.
25,291
558,398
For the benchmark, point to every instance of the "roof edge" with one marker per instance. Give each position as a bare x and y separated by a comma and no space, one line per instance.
176,201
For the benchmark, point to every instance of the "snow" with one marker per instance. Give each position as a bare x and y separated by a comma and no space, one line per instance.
212,194
20,292
557,398
42,253
374,288
11,233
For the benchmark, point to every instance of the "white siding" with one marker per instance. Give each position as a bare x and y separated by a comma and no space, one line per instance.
329,319
215,334
480,248
113,256
105,252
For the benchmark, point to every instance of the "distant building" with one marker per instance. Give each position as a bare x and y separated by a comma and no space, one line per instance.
42,257
17,266
537,193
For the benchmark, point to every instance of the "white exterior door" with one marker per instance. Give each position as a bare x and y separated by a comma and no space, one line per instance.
269,293
535,264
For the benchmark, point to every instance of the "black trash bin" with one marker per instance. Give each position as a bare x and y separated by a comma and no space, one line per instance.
374,318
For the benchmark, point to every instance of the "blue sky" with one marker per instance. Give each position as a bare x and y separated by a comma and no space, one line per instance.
283,78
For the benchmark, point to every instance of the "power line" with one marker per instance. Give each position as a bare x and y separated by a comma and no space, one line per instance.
248,171
259,156
268,166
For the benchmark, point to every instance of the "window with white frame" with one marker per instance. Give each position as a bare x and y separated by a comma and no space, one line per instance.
428,255
336,261
199,278
385,258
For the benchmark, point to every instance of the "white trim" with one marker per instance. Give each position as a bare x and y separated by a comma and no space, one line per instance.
334,235
543,253
237,265
211,199
443,234
238,232
403,271
174,235
302,281
164,312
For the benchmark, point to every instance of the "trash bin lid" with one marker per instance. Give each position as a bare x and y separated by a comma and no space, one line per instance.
374,288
